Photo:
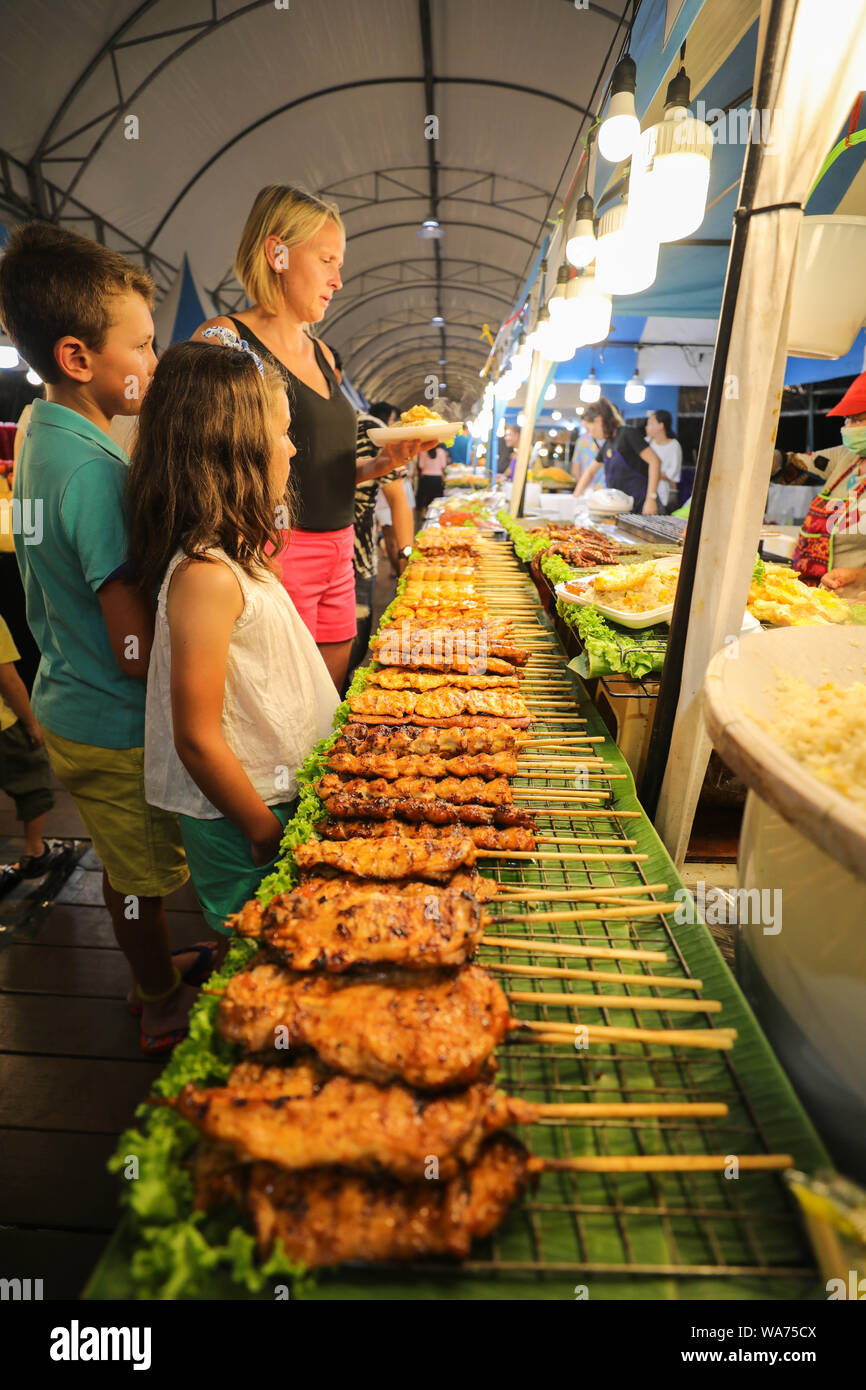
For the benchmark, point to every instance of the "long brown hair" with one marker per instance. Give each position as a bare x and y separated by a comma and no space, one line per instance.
199,475
610,417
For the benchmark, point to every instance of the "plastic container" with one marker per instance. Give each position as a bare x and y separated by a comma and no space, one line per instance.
828,294
805,844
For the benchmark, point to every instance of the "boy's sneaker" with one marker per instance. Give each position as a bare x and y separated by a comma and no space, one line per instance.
53,855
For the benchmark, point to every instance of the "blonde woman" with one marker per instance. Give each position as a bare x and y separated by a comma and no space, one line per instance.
288,261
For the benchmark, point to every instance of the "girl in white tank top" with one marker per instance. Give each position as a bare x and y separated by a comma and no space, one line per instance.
237,692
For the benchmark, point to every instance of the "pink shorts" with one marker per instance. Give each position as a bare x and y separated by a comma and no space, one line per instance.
319,577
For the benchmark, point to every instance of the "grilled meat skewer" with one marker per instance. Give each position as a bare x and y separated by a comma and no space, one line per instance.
484,837
460,790
432,1029
404,739
346,805
351,1124
391,765
324,1216
418,928
437,649
332,884
390,859
392,678
441,703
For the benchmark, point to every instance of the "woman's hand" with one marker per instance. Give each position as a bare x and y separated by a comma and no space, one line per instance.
264,849
403,451
649,507
391,457
842,577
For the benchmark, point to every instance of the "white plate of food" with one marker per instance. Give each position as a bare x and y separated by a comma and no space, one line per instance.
581,591
430,431
631,595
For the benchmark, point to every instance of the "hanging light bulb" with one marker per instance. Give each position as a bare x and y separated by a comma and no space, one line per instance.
33,377
560,343
620,129
540,331
550,393
505,387
521,362
670,170
591,312
580,248
635,391
8,356
521,418
590,389
556,415
557,299
627,259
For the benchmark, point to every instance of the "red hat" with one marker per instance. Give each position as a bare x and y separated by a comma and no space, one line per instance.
854,400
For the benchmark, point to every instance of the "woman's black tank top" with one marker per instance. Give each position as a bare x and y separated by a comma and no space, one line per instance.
323,432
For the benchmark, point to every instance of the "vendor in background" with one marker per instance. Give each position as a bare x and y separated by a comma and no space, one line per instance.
288,261
507,456
831,547
660,435
458,450
431,476
402,522
629,464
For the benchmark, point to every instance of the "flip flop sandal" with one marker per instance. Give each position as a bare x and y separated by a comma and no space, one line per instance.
195,974
164,1042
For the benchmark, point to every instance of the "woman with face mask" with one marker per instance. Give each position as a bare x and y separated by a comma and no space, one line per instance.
831,548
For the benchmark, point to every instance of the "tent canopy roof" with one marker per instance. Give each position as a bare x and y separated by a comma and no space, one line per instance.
231,95
153,123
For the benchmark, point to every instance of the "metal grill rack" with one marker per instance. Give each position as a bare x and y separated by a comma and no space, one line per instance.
592,1225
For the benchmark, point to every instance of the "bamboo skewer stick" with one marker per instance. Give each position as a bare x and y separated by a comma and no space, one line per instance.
554,795
564,948
590,811
577,813
531,894
569,775
710,1039
609,977
553,854
582,840
634,909
618,1001
661,1163
616,1109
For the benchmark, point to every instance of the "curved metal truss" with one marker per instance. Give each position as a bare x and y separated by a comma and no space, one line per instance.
376,188
465,371
63,154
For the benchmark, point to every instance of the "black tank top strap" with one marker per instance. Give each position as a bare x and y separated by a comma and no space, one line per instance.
323,432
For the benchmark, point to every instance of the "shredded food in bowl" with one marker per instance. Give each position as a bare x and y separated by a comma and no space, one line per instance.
637,588
822,727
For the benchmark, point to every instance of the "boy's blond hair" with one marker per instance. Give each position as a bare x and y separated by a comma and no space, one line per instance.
289,213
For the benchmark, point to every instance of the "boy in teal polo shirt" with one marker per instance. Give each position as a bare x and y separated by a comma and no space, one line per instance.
80,315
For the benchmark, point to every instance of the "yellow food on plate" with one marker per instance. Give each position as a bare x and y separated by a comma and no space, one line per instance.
421,415
637,588
785,601
822,727
418,415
